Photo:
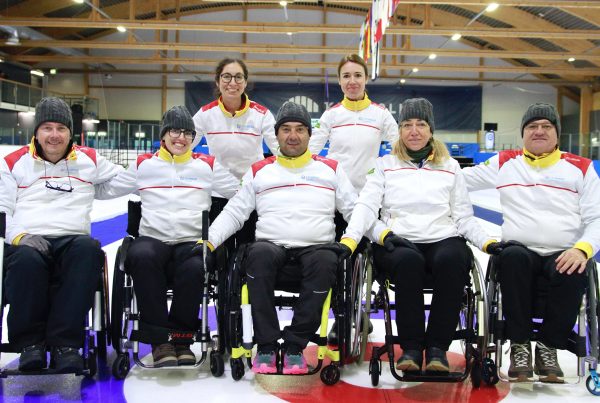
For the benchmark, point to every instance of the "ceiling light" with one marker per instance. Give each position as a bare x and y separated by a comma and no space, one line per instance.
571,59
289,33
38,73
456,36
491,7
415,70
283,3
91,120
79,1
13,40
432,56
402,80
53,71
121,28
1,60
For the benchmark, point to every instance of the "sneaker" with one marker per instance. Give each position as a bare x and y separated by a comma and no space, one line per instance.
410,361
294,362
33,358
520,369
332,336
185,356
265,362
66,360
546,364
436,360
164,355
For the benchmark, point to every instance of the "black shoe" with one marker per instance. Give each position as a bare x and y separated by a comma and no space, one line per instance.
33,358
66,360
520,369
436,360
410,361
332,337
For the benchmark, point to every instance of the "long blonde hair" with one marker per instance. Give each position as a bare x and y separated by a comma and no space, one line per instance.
440,152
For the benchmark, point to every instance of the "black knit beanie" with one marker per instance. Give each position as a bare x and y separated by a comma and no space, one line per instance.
540,111
293,112
417,108
52,109
177,117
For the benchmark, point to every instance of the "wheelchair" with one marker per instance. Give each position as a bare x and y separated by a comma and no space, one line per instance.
471,331
583,342
95,341
127,330
345,297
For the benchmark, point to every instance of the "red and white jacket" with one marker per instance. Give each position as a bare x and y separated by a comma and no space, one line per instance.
295,200
550,204
33,208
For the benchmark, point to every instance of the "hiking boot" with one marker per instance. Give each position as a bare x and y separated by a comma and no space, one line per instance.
410,361
546,364
265,362
33,358
185,356
294,362
66,360
164,355
436,360
520,369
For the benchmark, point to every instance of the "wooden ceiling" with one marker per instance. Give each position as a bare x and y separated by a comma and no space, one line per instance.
522,41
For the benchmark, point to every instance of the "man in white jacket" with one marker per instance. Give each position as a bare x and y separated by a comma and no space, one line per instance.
47,194
549,202
295,196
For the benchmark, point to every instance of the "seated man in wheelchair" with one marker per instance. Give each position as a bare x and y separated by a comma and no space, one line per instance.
175,187
52,264
425,213
295,195
549,202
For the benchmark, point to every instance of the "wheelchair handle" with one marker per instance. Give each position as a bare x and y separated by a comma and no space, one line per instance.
205,225
2,224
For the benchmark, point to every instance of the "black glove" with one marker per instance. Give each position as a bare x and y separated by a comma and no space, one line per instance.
495,248
36,242
198,250
392,241
340,249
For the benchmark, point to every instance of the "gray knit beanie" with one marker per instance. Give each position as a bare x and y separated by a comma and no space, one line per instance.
292,112
417,108
52,109
177,117
539,111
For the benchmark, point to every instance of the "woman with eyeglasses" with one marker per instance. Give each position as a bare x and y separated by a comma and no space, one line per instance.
235,127
416,205
175,187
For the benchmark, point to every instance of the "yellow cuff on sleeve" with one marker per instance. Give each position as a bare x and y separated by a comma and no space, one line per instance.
349,242
208,245
485,245
383,235
18,238
585,248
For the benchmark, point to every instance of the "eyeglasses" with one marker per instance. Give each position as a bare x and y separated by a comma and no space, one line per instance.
534,126
289,129
176,133
419,126
60,186
239,78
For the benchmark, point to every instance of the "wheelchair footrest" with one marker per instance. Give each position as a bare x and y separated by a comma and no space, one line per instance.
151,334
49,371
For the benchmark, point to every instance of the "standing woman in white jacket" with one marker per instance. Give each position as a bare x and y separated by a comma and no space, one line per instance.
235,127
425,213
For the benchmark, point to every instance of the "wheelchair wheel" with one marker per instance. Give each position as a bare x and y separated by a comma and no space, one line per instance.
121,365
330,375
476,373
489,372
217,366
591,386
359,319
118,304
374,371
237,368
366,310
101,342
92,365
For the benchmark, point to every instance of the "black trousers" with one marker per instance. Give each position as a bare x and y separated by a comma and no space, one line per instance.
49,297
268,264
447,262
519,271
154,266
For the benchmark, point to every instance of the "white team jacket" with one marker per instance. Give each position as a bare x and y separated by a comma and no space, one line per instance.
547,209
354,138
174,192
33,208
295,205
423,205
236,141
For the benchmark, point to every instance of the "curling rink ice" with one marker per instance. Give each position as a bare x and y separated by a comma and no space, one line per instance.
198,385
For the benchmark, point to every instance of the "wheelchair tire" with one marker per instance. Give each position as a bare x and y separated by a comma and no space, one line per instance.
92,365
237,368
489,372
366,312
117,304
330,375
476,373
121,365
217,366
374,371
591,386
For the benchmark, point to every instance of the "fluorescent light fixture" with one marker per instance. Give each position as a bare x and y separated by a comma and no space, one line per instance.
491,7
13,40
432,56
79,1
38,73
283,3
456,36
289,33
53,71
402,80
101,134
27,113
571,59
139,135
1,60
90,121
121,28
415,70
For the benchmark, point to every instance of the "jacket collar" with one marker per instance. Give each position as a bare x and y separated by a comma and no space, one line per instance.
165,155
295,162
245,106
542,161
37,154
356,105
